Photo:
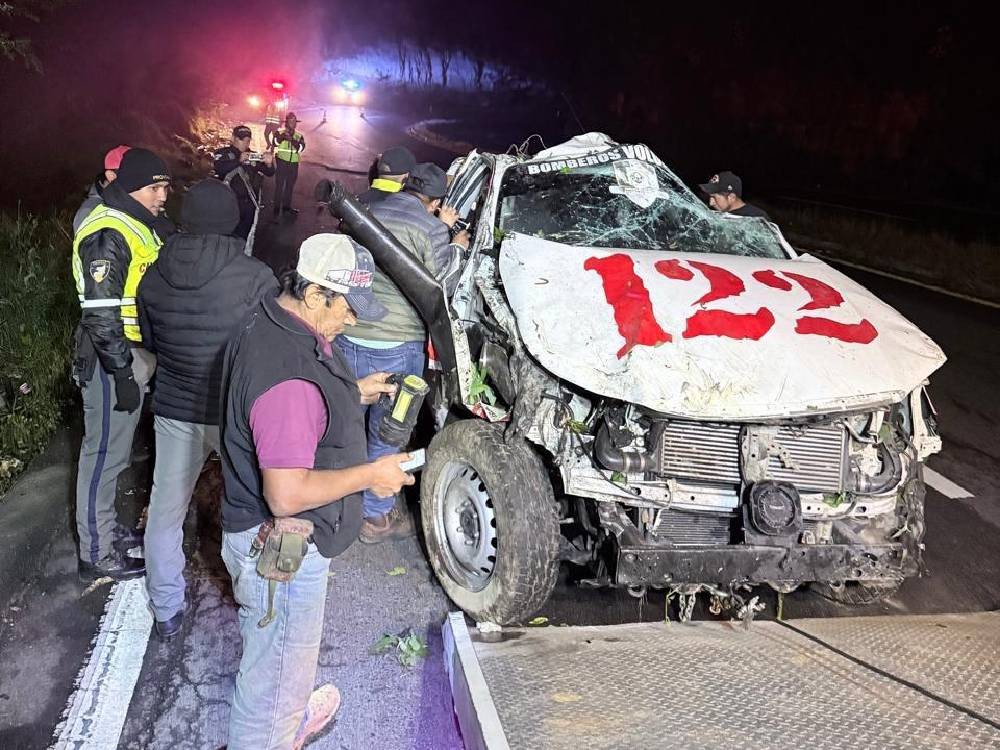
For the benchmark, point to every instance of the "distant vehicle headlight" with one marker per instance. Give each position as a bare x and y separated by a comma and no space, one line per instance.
254,101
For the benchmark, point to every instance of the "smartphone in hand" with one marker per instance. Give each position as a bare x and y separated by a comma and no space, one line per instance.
416,461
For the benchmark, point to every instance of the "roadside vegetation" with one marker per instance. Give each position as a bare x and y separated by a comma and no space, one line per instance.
38,311
929,256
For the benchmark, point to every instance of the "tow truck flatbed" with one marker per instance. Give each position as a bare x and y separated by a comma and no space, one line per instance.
926,681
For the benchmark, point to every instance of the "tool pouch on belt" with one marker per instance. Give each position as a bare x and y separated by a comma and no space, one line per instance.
282,544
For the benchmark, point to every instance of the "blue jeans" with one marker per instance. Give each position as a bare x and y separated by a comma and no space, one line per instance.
278,667
406,359
181,451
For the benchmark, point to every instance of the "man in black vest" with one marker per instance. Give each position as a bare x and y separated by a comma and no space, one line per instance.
293,450
191,301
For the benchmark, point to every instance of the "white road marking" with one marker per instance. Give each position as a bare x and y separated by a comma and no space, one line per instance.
944,485
96,711
933,287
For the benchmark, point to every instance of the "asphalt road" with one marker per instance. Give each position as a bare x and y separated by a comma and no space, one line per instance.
181,694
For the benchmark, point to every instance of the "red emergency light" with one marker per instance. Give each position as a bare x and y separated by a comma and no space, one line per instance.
277,85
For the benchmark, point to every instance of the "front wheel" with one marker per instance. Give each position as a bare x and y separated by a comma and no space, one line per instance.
490,522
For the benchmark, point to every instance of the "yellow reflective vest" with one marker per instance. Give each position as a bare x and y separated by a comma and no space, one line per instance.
288,148
144,247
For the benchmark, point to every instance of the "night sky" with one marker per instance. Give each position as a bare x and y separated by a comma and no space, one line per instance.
885,100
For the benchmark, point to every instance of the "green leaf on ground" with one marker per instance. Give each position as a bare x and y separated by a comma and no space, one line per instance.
383,644
408,647
399,570
538,622
411,649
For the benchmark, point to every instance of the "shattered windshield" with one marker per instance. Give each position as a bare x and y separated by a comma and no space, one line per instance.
624,197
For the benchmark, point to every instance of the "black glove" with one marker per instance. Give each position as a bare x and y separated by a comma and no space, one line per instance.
126,390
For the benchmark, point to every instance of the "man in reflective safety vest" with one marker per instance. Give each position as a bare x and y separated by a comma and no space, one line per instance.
272,124
112,249
289,145
388,174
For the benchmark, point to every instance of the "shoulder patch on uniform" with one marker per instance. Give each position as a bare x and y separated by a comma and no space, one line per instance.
99,270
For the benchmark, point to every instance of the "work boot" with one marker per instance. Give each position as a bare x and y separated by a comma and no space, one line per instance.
322,707
167,629
396,524
116,566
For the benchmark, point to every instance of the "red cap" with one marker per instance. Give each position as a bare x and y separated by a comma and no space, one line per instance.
113,159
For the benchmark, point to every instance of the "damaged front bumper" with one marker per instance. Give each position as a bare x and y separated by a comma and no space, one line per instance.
743,564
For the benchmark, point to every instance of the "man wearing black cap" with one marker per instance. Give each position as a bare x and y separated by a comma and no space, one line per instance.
112,249
725,194
388,174
244,173
397,343
190,302
295,465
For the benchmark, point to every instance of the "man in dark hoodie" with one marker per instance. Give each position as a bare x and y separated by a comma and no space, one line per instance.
190,301
113,247
112,160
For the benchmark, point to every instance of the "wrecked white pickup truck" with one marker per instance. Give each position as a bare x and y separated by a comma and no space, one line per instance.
663,395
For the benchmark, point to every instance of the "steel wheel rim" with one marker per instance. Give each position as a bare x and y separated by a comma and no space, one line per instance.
466,525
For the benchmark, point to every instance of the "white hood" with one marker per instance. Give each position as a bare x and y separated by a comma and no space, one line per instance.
710,336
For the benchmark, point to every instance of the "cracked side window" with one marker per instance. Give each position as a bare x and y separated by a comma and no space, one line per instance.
624,203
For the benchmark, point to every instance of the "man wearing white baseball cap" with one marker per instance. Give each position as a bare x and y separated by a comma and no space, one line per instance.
295,464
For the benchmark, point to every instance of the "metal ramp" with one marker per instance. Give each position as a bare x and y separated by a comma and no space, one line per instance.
877,682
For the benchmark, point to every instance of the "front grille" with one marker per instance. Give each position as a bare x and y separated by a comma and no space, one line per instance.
687,529
813,454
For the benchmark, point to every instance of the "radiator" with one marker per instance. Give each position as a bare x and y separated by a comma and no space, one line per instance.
814,454
688,529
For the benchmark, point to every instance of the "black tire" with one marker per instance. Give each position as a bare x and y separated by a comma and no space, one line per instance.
512,485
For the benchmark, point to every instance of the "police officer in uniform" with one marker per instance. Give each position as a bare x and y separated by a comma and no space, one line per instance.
289,145
233,165
112,249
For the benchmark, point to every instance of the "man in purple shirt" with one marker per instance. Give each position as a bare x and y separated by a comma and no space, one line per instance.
294,445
